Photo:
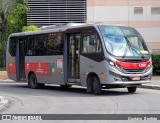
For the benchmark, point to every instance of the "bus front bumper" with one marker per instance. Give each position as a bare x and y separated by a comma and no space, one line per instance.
117,79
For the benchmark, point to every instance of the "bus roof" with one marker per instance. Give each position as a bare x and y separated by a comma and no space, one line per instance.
59,28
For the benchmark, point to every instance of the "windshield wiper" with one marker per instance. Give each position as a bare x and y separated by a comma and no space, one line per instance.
132,47
125,51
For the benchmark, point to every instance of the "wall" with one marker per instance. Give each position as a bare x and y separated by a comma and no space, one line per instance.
122,12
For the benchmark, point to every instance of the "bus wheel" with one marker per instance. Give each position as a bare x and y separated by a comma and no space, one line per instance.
89,85
66,86
132,89
33,81
96,86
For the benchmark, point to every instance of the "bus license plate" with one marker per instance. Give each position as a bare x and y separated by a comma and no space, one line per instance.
136,78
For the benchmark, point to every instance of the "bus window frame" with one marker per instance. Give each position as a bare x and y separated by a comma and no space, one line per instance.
96,56
9,46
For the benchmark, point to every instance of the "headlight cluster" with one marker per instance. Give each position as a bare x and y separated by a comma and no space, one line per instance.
149,66
114,64
131,67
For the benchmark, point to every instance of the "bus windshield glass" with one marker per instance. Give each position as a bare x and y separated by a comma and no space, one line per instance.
123,41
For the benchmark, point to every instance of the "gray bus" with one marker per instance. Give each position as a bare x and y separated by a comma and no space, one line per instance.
96,56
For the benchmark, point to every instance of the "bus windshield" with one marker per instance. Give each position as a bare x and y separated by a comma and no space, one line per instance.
123,41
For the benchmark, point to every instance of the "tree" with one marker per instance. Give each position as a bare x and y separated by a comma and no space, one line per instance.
5,6
0,47
16,19
30,28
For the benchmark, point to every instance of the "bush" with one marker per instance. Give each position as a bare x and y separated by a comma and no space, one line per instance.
30,28
156,63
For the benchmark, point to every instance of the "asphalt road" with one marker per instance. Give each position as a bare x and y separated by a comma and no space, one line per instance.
75,100
54,99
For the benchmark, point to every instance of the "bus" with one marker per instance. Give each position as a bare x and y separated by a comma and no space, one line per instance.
96,56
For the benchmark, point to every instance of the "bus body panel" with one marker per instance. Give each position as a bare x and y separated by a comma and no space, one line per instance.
48,69
54,75
10,64
11,69
88,66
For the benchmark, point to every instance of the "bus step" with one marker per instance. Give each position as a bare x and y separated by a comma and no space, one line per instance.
73,83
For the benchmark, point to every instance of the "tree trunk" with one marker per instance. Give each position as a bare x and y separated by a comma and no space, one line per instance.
3,39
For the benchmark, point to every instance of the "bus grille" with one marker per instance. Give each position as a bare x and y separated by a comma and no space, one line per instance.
134,71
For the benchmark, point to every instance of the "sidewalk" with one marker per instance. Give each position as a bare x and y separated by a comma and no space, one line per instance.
155,83
3,75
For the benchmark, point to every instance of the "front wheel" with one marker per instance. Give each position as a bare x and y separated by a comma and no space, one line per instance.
96,86
132,89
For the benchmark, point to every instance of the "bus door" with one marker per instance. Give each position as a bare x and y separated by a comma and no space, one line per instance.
73,57
20,59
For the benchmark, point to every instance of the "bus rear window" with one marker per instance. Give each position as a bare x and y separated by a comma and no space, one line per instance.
12,46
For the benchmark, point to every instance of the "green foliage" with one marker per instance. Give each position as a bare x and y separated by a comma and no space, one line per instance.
156,63
2,69
16,19
6,5
0,49
30,28
13,14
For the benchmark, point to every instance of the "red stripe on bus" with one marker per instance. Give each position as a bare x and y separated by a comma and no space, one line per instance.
12,68
39,68
130,65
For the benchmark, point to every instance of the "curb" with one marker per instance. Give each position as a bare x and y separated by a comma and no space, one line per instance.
3,102
148,86
6,81
3,75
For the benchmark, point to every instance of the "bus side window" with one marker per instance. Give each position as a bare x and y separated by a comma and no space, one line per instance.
12,46
31,46
40,45
91,44
55,44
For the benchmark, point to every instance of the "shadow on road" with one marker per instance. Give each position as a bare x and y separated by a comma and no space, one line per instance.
21,88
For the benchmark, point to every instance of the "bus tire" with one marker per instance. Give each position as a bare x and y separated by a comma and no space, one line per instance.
132,89
89,85
32,82
97,86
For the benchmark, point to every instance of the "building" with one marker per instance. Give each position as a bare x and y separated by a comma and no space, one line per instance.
144,15
49,12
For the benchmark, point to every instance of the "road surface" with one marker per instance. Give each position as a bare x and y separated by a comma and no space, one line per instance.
75,100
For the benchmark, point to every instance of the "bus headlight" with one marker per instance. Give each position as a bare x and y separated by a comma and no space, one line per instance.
149,66
115,65
112,63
